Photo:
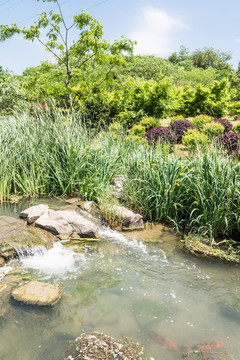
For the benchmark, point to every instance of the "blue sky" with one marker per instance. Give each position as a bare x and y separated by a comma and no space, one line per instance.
159,26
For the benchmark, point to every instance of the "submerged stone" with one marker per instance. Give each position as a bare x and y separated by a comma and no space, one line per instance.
37,293
95,345
2,261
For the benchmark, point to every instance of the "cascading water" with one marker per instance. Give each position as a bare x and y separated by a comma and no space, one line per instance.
58,260
124,287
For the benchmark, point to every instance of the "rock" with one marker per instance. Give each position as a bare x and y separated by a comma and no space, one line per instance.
129,218
6,250
67,223
16,235
83,227
2,261
37,293
91,207
33,213
96,345
54,223
73,200
118,186
3,289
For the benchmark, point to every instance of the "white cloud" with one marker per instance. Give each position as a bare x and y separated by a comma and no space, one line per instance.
155,32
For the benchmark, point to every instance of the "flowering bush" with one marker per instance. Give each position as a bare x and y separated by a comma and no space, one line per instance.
230,142
225,123
179,127
160,133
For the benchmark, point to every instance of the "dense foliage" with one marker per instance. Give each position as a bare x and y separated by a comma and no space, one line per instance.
179,127
160,133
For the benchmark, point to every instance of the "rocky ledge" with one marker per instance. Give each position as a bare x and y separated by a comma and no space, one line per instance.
37,293
15,235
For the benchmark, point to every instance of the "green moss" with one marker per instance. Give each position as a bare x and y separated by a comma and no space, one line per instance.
202,247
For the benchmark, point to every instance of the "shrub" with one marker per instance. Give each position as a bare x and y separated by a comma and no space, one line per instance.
138,130
225,123
176,118
160,133
194,139
234,108
149,122
200,120
236,128
230,142
179,127
213,130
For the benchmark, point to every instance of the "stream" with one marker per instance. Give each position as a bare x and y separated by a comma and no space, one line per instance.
122,286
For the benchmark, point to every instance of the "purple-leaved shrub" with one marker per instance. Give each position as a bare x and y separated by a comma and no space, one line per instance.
160,133
225,123
230,142
179,128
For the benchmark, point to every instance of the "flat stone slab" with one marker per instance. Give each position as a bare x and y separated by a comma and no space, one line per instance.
37,293
33,213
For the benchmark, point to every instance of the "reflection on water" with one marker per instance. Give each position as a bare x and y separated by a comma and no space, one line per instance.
124,287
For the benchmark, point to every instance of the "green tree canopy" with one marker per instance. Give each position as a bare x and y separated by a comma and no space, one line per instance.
79,60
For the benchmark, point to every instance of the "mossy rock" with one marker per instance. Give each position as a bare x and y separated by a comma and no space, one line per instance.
202,247
16,235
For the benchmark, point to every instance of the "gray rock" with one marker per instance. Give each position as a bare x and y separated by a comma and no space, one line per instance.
52,222
129,218
83,227
37,293
67,223
33,213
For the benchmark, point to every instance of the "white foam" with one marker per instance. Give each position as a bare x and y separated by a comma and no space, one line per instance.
120,238
56,260
4,270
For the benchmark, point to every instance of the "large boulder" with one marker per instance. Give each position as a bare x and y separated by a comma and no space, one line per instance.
37,293
15,235
67,223
33,213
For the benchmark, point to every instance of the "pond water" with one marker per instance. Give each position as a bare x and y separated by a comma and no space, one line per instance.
123,286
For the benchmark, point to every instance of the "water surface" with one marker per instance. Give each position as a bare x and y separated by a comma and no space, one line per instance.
122,286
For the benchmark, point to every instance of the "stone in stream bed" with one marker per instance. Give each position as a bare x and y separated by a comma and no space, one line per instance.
33,213
67,223
37,293
15,235
95,345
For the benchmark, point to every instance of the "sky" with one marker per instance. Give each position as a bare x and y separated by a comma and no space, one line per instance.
160,27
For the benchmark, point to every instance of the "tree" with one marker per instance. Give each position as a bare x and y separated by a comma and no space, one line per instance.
78,62
210,58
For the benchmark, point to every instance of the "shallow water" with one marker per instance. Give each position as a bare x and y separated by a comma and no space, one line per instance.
124,287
